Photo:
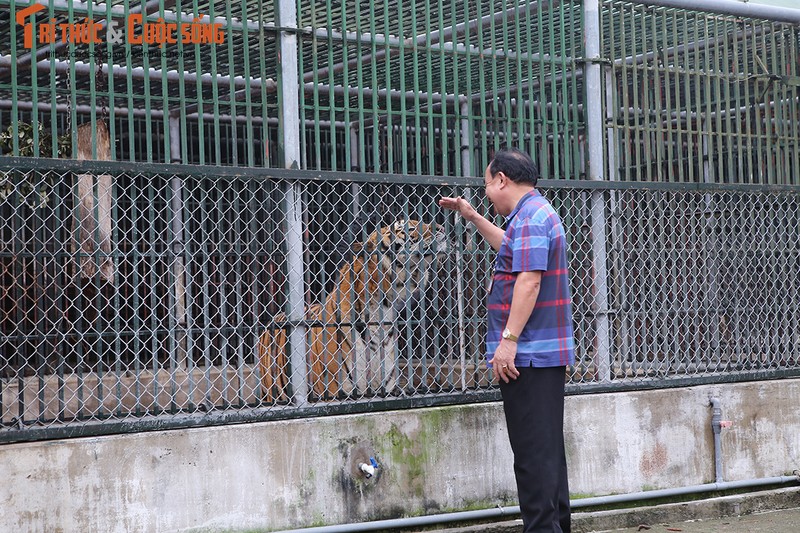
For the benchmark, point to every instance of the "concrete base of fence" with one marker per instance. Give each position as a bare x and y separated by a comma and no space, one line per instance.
299,473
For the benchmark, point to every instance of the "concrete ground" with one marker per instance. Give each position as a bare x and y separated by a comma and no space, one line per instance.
772,511
784,521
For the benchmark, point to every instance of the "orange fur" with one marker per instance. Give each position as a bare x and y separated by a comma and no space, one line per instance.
328,345
330,337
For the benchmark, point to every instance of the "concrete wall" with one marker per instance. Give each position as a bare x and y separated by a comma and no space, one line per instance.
277,475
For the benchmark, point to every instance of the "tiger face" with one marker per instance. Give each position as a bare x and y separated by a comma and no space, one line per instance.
355,352
406,250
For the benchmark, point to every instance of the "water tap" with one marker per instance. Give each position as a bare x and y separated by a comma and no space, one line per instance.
370,468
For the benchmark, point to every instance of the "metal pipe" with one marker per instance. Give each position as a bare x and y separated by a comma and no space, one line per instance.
501,512
138,73
676,116
289,142
687,48
432,39
466,171
595,171
356,165
155,114
732,7
178,229
716,427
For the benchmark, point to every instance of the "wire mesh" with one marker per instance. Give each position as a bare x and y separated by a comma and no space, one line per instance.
177,304
132,291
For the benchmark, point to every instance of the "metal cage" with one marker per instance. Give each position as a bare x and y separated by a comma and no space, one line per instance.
225,227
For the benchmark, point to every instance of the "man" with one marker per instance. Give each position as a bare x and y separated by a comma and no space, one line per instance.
529,339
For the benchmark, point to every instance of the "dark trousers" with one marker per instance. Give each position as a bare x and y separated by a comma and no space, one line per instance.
534,408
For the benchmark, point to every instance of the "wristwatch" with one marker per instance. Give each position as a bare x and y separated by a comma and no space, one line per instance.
507,335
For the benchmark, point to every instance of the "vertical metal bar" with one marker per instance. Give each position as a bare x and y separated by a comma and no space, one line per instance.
54,132
136,303
205,200
404,153
447,165
331,133
334,141
726,131
132,134
225,216
670,108
178,254
638,142
736,135
390,166
262,73
14,82
355,166
358,152
233,142
782,96
659,77
239,238
289,137
594,142
154,270
475,164
793,111
35,89
616,237
493,81
518,119
248,98
577,116
769,95
466,151
757,157
509,103
617,19
554,93
431,136
744,146
317,106
355,213
375,142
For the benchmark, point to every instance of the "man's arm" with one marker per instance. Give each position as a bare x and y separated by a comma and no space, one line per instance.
523,300
490,232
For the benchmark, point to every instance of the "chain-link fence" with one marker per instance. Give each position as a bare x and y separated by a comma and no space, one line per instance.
136,289
134,294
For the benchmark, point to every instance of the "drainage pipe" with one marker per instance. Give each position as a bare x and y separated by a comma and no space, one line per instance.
503,512
716,427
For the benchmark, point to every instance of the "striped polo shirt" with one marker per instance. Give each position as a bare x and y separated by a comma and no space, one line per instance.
534,240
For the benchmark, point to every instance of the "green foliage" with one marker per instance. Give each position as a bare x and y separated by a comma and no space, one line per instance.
25,133
33,190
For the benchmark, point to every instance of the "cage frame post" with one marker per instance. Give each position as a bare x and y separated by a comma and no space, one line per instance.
289,147
596,172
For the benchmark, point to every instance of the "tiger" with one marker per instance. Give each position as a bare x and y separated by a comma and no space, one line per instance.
351,338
